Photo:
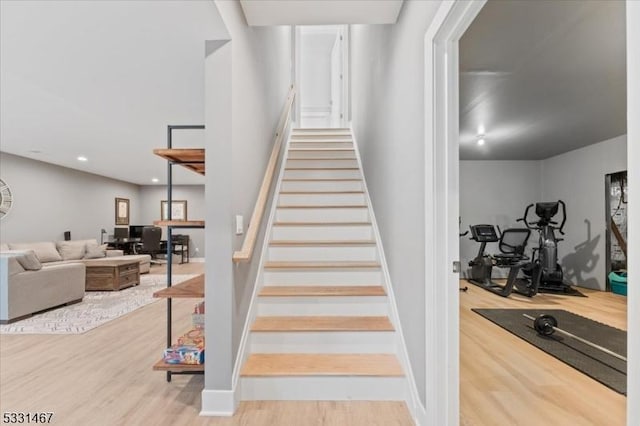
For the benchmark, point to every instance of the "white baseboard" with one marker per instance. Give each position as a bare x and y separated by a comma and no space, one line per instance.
220,403
419,414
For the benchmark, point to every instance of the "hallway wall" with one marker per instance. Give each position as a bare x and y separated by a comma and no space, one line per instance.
388,116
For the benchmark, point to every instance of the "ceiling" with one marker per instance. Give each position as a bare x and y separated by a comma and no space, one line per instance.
540,78
321,12
103,80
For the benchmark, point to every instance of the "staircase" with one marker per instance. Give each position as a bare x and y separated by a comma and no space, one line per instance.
321,327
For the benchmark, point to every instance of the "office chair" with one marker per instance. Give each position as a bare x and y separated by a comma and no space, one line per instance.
151,237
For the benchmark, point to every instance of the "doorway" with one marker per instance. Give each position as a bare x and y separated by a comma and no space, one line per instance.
321,72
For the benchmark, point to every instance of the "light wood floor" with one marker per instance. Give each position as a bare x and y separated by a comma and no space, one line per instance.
506,381
104,377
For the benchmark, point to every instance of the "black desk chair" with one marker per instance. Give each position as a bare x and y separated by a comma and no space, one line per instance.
151,237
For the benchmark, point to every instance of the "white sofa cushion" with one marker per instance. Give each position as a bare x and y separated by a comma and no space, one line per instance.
45,251
95,251
71,250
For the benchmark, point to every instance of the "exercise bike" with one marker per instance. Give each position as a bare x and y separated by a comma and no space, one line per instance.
511,243
544,271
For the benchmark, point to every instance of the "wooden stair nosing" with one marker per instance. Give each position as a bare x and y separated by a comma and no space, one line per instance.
319,192
322,180
321,149
321,291
305,365
290,223
322,206
283,264
315,243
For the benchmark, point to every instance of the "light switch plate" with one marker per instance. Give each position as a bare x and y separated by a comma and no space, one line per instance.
239,225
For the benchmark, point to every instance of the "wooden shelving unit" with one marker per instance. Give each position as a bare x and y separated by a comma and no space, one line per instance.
192,159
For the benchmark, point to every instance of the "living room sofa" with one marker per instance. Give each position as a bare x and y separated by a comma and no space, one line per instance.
43,275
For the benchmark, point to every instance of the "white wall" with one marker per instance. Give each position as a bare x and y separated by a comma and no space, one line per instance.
152,195
388,117
247,81
578,178
49,200
496,193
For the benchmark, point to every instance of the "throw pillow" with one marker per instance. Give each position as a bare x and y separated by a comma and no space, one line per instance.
14,266
45,251
27,259
95,251
71,250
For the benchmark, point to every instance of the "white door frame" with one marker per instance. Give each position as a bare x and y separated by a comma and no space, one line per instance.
441,211
441,216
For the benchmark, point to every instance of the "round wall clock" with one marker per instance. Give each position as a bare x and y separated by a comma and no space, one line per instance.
6,199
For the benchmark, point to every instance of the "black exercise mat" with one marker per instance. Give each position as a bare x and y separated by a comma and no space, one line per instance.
608,370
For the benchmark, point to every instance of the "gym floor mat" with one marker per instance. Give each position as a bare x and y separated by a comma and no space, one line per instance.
604,368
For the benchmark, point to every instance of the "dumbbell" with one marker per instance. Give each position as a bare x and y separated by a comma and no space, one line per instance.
547,324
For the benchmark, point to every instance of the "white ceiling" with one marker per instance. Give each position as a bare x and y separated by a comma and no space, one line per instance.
542,78
320,12
103,80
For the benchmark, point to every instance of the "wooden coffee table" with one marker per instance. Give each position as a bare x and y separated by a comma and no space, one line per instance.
111,275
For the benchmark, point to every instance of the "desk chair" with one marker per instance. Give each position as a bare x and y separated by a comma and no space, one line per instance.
151,236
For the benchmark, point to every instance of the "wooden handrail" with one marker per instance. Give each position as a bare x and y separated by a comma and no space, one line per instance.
245,253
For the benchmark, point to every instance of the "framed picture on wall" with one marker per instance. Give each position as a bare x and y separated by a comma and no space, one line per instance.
178,210
122,211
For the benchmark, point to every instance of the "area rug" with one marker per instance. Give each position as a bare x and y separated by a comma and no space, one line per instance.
97,308
606,369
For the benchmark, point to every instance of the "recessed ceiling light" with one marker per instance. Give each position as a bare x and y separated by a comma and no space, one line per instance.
82,158
481,130
154,180
481,142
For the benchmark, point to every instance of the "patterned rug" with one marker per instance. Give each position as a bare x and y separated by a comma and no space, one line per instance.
97,308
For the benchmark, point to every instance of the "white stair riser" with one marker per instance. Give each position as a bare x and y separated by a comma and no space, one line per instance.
321,134
323,388
320,253
322,174
322,215
321,185
361,342
321,233
310,155
338,143
321,199
321,162
323,306
323,277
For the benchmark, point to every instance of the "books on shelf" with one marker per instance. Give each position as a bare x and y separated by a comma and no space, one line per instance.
188,350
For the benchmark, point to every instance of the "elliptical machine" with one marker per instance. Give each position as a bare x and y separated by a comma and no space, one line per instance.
544,271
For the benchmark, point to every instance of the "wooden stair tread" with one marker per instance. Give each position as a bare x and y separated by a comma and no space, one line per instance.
322,180
322,290
323,159
321,168
314,243
322,323
193,287
321,223
321,365
321,149
322,206
320,192
319,264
